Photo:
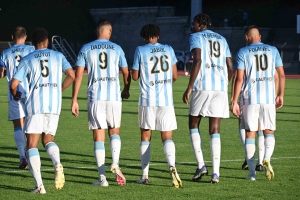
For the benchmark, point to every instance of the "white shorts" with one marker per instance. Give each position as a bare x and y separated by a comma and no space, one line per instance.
104,114
41,123
157,118
209,103
16,109
264,114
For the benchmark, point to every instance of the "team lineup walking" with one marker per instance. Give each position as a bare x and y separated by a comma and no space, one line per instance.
35,85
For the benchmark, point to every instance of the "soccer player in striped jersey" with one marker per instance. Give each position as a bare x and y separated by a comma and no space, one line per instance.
255,82
207,90
103,60
155,65
43,69
9,61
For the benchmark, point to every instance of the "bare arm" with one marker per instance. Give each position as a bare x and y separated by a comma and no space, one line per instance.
69,79
174,73
194,73
229,67
281,77
2,72
237,89
135,75
13,89
276,83
126,79
76,87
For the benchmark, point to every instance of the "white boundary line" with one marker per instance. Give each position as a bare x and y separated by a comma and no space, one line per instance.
153,164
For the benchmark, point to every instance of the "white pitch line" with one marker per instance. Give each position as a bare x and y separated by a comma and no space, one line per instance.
153,164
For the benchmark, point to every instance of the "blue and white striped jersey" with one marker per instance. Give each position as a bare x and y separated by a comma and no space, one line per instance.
213,74
103,59
43,70
154,62
259,62
10,59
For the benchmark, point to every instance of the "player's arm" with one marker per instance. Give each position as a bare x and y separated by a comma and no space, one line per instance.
229,67
232,85
174,73
126,79
75,90
281,78
194,73
13,89
2,72
69,78
236,91
135,74
276,83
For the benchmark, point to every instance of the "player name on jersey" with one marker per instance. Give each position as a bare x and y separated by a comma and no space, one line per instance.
17,50
158,49
211,35
103,46
261,48
42,54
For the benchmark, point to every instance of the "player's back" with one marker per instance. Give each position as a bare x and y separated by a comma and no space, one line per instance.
213,74
10,59
259,61
44,67
155,63
103,59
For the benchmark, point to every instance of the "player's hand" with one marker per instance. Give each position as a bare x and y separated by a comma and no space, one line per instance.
125,94
18,96
186,96
75,108
279,102
235,109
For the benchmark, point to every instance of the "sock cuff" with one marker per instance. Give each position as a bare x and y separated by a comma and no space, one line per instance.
270,135
168,141
260,133
33,152
115,137
194,130
99,146
215,135
50,144
144,143
250,141
18,129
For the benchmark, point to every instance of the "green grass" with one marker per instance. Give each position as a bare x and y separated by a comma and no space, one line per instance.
76,145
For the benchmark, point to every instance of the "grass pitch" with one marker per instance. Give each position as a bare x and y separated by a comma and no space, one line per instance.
76,145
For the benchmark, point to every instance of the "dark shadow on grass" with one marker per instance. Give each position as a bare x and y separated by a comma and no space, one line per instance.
79,98
7,187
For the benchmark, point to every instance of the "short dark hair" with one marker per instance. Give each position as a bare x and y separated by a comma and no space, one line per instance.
204,20
39,35
149,31
19,32
102,22
248,28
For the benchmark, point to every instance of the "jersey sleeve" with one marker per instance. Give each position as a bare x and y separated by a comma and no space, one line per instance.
194,42
65,64
136,60
22,71
173,56
278,60
81,58
240,61
122,61
2,64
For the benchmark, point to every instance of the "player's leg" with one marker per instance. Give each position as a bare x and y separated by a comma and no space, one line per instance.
242,134
113,118
97,123
195,138
49,132
261,149
215,147
17,114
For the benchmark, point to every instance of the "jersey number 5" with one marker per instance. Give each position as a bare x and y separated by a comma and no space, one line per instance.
162,61
44,68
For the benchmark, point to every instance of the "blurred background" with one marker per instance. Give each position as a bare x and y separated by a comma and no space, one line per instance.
72,22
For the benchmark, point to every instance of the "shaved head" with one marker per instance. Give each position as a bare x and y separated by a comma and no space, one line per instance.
252,35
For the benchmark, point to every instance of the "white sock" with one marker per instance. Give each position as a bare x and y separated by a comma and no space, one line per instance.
115,146
20,141
169,150
261,147
34,162
53,152
215,147
99,151
269,146
145,158
197,147
243,138
250,151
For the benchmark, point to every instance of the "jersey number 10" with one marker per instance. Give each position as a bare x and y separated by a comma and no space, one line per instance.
261,62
